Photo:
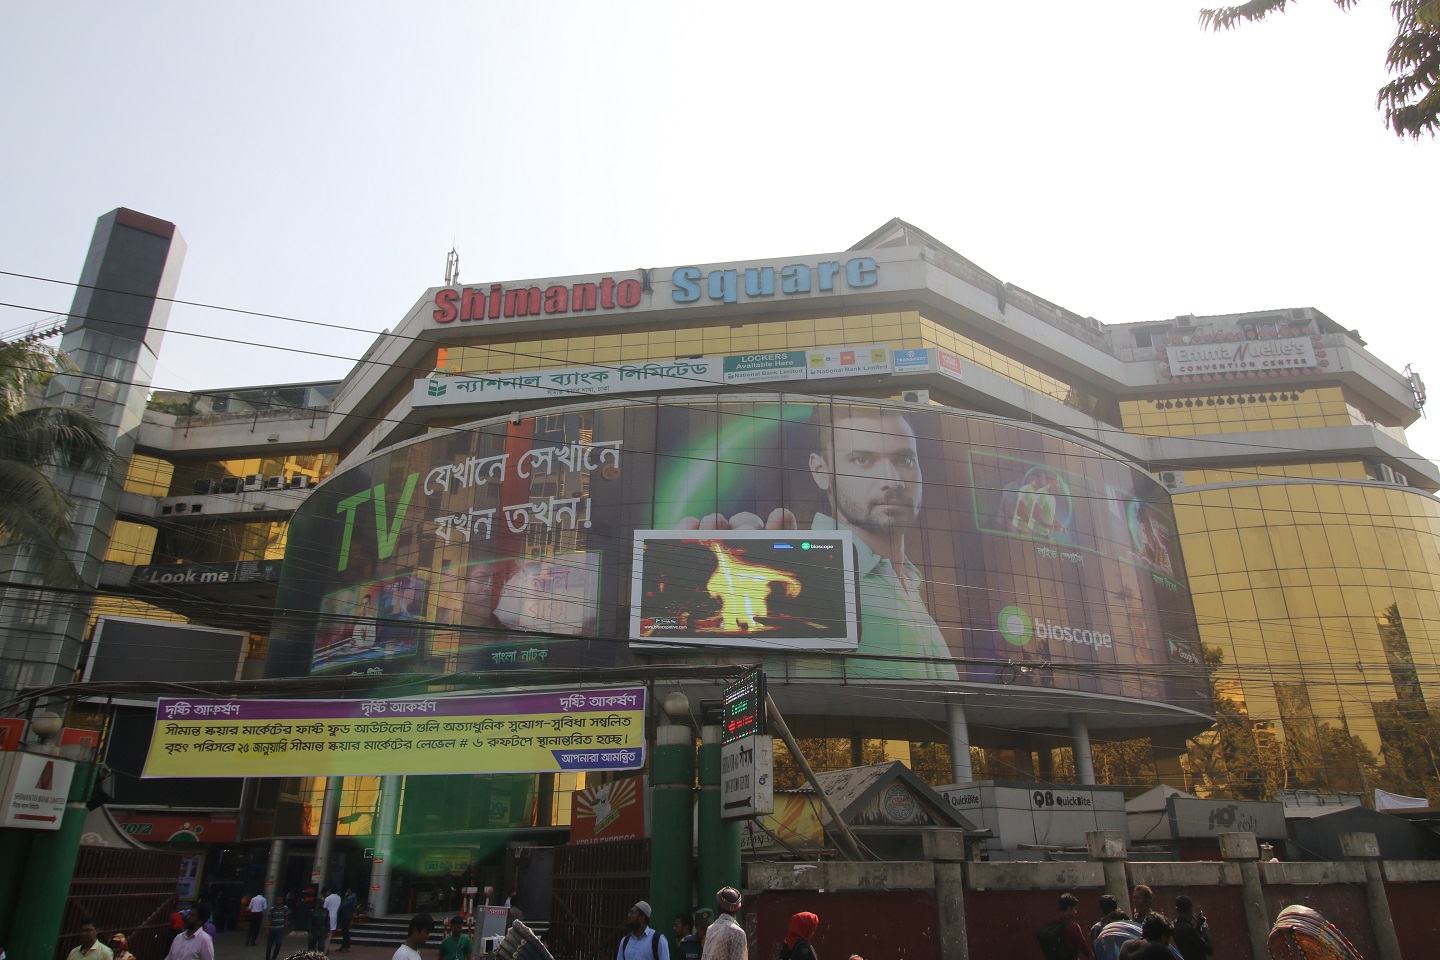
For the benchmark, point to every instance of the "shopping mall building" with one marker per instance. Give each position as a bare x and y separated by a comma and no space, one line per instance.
959,525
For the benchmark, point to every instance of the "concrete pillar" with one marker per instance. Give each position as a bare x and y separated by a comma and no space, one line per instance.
946,850
718,839
1080,737
1108,846
960,767
385,830
1244,850
1366,847
325,842
1044,759
672,792
273,868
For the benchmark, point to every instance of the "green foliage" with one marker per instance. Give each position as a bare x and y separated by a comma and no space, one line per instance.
35,513
1411,101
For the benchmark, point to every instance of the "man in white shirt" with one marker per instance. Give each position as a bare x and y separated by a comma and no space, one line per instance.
420,926
193,943
642,943
331,903
257,907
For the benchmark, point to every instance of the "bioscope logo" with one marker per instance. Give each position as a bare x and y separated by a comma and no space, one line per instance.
1017,628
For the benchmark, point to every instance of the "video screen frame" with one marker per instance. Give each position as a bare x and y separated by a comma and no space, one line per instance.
844,639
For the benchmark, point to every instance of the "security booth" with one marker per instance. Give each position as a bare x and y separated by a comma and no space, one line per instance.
891,811
1035,821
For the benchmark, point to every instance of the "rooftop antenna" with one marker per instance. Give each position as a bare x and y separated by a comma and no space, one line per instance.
452,268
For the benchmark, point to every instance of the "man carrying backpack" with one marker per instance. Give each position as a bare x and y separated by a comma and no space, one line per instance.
1062,938
640,942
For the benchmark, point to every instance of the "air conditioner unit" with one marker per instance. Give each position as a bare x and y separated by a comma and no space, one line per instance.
300,482
179,508
254,481
1386,474
196,507
916,396
1173,479
1188,321
1401,479
274,483
230,485
204,487
166,509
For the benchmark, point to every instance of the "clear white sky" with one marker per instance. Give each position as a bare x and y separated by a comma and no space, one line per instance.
321,157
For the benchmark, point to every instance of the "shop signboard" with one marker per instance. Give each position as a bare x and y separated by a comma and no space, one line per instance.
846,362
609,811
551,732
1192,817
911,361
1243,356
34,788
747,778
765,367
1025,818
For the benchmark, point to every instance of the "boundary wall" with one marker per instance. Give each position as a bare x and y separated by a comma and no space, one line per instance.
947,908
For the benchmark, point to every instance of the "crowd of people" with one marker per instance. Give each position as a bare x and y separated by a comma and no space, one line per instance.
1142,934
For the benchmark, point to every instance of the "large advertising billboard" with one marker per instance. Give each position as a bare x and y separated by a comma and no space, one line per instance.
946,546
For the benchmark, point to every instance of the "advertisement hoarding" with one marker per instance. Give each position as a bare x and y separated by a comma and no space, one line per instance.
34,789
980,546
609,811
551,732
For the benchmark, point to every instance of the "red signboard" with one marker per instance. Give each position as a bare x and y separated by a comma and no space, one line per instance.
162,828
11,730
609,811
78,737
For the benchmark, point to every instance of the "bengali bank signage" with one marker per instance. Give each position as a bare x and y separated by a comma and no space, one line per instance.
1242,356
848,540
569,382
33,790
551,732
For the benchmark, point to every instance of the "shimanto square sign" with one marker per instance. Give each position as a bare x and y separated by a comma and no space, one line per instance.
549,732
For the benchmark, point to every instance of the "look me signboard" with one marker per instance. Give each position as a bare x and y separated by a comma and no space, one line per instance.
550,732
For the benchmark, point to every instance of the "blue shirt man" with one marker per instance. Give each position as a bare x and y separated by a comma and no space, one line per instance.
640,942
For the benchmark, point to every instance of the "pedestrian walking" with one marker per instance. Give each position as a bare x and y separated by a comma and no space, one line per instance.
1154,942
277,924
319,927
1062,938
90,946
1142,903
725,939
1192,931
348,907
257,907
419,931
640,942
456,945
797,938
331,903
1109,912
193,943
685,939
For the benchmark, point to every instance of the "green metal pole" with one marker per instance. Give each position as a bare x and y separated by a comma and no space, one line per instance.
48,872
14,849
672,789
719,839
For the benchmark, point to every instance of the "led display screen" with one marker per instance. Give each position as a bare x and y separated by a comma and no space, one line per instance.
978,546
747,588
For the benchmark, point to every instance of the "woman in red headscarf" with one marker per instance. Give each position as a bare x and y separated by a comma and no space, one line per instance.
797,939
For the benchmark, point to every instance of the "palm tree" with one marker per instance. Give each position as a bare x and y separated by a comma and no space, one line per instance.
35,437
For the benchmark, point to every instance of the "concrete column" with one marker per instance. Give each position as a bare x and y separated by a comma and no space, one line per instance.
1044,759
1366,847
950,908
273,868
1244,850
945,849
1080,735
325,842
960,767
1108,846
385,830
719,839
672,791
